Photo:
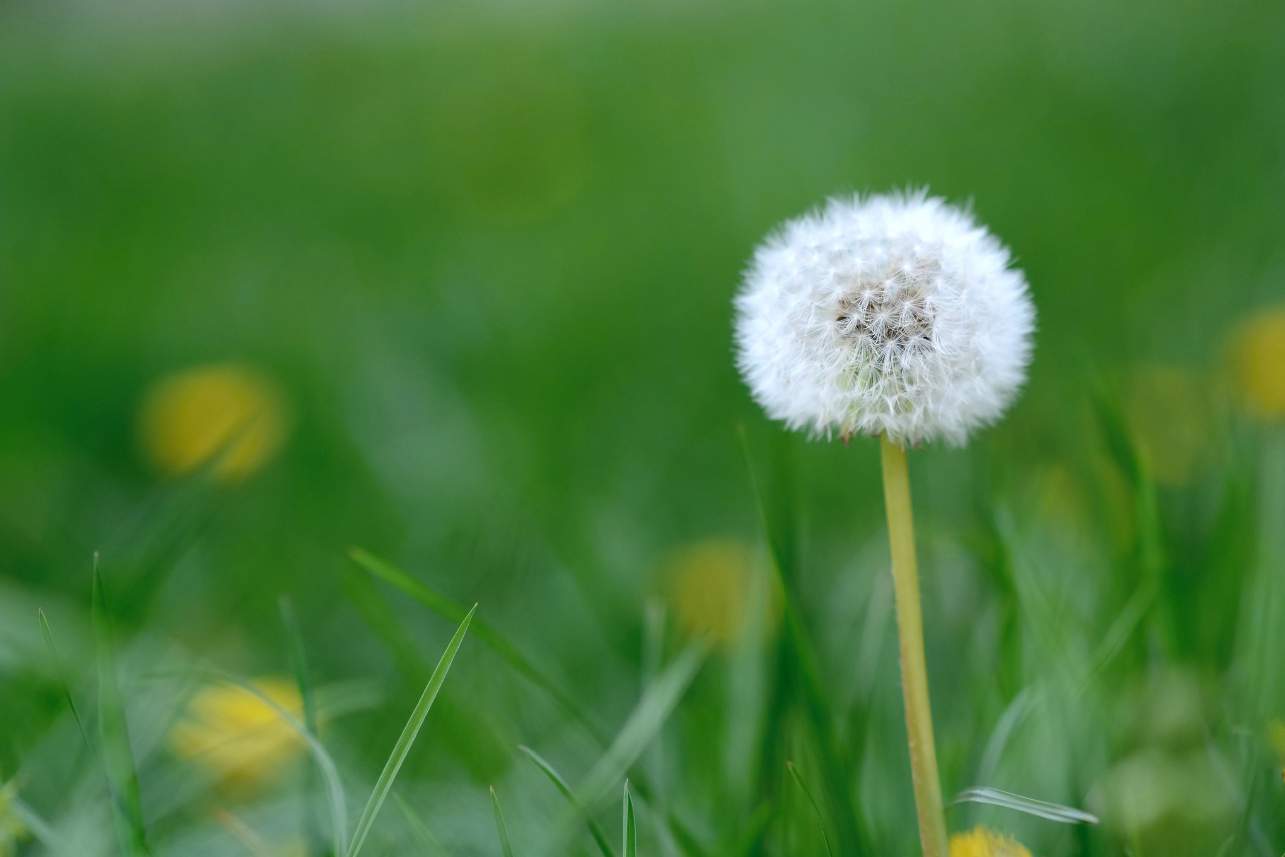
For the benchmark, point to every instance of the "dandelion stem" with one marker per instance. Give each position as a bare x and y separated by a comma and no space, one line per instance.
914,670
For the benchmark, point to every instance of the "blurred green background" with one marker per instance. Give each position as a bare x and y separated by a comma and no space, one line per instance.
478,260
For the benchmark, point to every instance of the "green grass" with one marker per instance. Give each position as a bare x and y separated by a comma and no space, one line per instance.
488,256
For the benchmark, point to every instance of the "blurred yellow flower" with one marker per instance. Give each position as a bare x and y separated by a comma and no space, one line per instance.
1258,361
238,737
1276,735
226,415
713,590
1168,411
981,842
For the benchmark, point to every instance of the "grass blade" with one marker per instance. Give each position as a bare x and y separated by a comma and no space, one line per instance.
407,739
816,808
506,846
629,847
60,670
646,720
595,830
1030,806
113,733
326,763
421,831
299,664
653,709
497,642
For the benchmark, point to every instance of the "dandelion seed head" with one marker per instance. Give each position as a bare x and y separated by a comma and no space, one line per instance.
895,314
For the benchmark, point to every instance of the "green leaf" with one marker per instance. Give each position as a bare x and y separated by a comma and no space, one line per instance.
506,846
595,830
113,732
629,847
407,739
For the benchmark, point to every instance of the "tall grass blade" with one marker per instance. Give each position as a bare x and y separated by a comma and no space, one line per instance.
483,630
816,808
506,845
113,734
407,739
63,675
642,726
629,848
299,665
644,723
595,830
520,664
425,836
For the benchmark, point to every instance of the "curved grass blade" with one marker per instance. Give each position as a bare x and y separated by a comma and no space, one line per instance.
498,643
113,734
407,739
421,831
657,702
299,664
595,830
646,720
629,848
326,763
816,808
1030,806
506,846
517,661
61,671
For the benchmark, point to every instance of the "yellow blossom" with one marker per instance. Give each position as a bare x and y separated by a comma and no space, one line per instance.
1169,412
713,589
238,737
1258,363
981,842
226,415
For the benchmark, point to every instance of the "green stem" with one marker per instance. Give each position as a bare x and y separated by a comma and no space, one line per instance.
914,670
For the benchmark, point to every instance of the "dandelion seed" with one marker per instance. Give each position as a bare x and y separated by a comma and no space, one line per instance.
240,739
981,842
226,416
888,315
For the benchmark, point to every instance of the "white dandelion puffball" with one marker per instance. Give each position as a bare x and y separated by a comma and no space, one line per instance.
895,315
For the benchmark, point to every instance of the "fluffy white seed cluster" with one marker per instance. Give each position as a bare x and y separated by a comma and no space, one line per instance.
895,315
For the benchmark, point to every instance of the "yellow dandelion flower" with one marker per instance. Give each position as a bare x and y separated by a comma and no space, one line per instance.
238,737
1258,363
1168,410
226,415
981,842
713,589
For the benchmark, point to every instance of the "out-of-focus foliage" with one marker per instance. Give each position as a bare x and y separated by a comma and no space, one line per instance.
463,274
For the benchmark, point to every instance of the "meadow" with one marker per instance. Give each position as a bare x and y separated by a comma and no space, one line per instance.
321,323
